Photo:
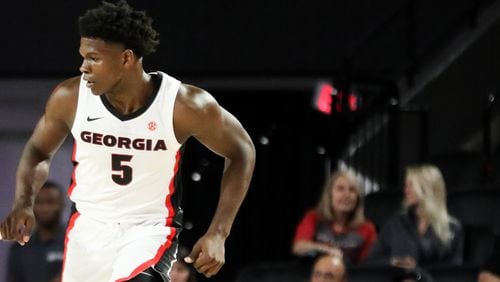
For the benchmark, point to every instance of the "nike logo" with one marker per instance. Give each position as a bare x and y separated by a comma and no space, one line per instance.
92,119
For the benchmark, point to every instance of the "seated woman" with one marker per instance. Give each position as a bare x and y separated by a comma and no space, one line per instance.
424,233
337,225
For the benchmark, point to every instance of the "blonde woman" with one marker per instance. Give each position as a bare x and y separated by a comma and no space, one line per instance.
424,234
337,225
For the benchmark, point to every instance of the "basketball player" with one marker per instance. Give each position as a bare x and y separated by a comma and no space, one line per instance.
129,127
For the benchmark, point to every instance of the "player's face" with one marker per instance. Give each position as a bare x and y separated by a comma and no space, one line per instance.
103,64
344,195
48,207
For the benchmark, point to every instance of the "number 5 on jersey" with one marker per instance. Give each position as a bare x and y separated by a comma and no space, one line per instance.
122,172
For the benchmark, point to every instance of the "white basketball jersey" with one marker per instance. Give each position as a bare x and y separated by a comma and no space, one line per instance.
125,165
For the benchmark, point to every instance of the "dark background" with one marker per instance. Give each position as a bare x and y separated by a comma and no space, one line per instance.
262,60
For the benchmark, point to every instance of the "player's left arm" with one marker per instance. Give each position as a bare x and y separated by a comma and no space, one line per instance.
197,114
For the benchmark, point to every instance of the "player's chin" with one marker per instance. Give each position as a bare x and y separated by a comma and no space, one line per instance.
96,91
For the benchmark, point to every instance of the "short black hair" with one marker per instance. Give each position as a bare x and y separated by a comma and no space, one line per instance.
118,22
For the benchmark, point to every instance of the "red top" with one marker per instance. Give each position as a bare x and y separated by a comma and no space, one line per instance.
355,242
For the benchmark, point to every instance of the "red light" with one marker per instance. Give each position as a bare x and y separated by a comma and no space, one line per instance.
353,102
323,101
327,99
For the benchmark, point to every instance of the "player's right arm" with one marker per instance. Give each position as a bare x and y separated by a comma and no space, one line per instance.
33,169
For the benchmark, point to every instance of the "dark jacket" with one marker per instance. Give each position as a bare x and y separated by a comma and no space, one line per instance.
399,237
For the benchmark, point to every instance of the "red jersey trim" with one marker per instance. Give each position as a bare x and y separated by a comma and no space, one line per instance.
73,175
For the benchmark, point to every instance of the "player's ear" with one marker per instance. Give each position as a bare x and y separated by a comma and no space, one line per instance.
128,57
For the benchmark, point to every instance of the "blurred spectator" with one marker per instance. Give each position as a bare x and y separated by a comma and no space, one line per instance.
181,271
491,271
424,233
329,268
41,258
337,225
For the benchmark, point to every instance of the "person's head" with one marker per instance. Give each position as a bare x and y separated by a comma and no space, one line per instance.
181,271
341,195
329,268
425,189
424,186
49,204
114,38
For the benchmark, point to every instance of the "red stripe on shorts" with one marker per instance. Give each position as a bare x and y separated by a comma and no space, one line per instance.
71,224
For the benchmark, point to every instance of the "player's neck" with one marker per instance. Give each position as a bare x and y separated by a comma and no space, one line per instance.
132,93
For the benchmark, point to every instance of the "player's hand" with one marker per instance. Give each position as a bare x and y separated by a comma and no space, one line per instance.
18,225
207,255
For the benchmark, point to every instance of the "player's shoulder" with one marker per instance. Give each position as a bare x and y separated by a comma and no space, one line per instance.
195,110
68,87
194,98
64,97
